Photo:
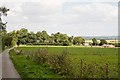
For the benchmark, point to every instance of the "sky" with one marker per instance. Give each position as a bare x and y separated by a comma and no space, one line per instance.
72,17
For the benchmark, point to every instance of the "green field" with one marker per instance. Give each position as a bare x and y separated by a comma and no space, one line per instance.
100,57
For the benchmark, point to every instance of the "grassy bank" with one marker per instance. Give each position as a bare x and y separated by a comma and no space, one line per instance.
100,57
27,68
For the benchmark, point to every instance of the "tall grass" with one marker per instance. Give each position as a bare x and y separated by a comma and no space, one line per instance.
41,56
63,65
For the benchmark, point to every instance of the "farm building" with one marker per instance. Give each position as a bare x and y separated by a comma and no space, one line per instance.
86,44
90,41
113,41
107,46
108,41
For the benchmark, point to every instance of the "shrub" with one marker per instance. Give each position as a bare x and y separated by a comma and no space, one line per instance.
60,63
41,55
117,45
17,51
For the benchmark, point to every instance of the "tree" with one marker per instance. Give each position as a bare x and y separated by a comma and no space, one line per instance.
56,37
102,41
78,40
14,42
22,37
3,12
13,34
71,39
44,36
31,37
63,38
39,37
7,40
60,39
94,41
51,39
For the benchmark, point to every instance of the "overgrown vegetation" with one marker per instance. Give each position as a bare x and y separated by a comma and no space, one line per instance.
68,62
28,68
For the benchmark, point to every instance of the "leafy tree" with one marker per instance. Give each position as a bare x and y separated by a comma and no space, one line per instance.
51,39
63,38
31,37
79,40
3,12
57,37
22,37
39,36
94,41
71,39
44,36
13,34
14,42
102,41
60,38
7,40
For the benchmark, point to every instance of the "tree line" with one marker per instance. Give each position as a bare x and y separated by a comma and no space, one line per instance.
24,37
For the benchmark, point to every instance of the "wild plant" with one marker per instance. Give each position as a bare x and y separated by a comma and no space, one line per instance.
61,63
41,55
18,51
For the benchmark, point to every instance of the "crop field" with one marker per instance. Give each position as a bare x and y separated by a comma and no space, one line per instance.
65,62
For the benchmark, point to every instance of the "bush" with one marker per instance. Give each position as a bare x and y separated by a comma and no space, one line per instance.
41,55
60,63
17,51
117,45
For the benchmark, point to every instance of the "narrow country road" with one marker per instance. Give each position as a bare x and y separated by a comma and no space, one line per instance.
0,66
8,70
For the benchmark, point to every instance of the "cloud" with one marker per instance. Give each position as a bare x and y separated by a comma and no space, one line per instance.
93,11
73,18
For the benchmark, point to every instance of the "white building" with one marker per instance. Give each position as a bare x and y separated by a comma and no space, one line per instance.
107,46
